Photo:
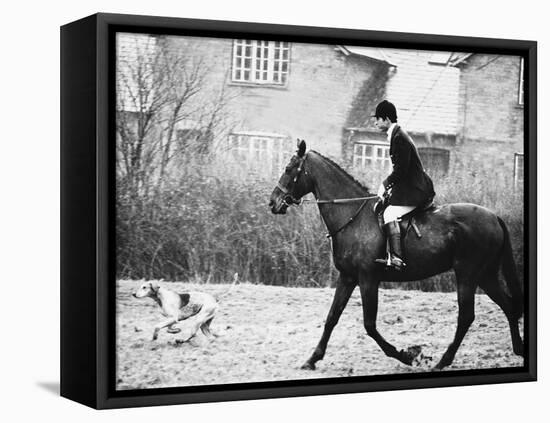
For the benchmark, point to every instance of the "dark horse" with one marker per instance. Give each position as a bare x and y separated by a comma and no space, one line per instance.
467,238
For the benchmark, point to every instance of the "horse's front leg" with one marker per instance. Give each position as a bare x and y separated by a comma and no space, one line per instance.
369,297
344,288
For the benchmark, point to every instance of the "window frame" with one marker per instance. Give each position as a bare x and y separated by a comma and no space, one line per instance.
263,62
376,145
521,82
274,156
519,177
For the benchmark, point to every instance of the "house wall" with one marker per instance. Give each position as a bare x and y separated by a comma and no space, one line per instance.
328,92
490,116
315,104
373,177
489,107
490,162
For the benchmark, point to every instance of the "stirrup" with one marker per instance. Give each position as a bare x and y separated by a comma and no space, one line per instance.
392,262
397,263
386,261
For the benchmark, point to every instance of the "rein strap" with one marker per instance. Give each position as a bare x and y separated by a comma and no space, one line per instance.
340,200
351,219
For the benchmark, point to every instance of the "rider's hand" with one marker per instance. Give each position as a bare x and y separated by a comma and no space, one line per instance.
381,191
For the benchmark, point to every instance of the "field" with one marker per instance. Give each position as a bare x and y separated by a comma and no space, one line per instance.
267,332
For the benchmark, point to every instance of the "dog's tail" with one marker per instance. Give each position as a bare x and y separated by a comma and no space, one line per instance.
235,279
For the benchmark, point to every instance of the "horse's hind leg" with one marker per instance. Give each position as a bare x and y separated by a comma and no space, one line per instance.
344,288
369,297
466,289
495,291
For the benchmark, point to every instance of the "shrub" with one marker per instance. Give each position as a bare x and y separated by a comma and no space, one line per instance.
211,220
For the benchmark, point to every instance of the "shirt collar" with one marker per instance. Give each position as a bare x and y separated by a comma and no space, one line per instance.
390,130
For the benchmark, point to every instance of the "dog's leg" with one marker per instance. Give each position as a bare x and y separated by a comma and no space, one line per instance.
159,326
198,320
193,341
207,330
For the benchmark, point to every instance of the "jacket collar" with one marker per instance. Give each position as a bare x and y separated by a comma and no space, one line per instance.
392,131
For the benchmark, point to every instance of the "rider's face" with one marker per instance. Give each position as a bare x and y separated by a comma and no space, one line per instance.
382,124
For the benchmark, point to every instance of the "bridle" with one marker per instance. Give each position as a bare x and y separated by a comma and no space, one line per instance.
290,195
289,198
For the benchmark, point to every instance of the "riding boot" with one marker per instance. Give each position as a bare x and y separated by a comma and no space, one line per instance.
393,235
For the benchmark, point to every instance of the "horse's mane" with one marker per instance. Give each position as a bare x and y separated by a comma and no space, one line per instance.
348,176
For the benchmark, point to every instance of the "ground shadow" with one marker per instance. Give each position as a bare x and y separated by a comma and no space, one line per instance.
51,387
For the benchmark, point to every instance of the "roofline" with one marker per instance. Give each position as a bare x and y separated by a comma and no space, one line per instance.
462,59
375,131
346,52
259,134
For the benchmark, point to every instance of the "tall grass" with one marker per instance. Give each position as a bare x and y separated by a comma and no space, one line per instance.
211,220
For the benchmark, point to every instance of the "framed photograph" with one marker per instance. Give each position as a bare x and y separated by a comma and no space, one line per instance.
256,211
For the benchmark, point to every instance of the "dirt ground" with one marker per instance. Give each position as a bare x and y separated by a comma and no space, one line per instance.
266,333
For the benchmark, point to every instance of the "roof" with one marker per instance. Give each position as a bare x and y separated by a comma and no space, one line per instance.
458,58
424,86
370,52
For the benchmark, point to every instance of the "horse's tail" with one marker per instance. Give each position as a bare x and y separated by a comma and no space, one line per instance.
508,266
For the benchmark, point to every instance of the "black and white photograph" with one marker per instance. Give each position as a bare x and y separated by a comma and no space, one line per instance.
275,211
289,210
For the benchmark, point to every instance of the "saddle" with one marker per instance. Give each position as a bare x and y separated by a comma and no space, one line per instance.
406,222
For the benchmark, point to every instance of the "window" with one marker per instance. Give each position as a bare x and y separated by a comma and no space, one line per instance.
267,153
194,140
371,155
520,90
261,62
518,170
435,160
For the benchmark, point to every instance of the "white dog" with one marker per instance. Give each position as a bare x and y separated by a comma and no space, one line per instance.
198,308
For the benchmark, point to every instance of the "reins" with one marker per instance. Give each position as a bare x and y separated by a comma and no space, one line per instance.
290,195
343,201
339,200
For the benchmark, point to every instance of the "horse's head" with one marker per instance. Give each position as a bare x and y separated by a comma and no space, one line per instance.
293,184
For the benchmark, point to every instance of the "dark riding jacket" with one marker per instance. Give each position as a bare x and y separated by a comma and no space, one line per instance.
410,185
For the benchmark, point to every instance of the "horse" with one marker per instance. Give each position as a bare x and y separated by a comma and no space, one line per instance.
467,238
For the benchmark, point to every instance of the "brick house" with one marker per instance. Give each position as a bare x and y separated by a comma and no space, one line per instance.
281,91
424,88
278,91
317,99
464,111
491,115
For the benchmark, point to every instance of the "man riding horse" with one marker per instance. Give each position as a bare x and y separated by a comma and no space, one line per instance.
407,187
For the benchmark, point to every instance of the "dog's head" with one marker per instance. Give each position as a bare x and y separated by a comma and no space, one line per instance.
147,289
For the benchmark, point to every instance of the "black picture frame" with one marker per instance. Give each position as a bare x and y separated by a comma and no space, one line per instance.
87,211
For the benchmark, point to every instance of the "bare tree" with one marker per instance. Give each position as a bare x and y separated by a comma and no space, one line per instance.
160,86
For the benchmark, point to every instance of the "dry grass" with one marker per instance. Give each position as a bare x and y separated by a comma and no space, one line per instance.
207,225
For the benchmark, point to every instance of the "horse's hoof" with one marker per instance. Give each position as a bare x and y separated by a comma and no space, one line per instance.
441,365
519,351
410,354
308,366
